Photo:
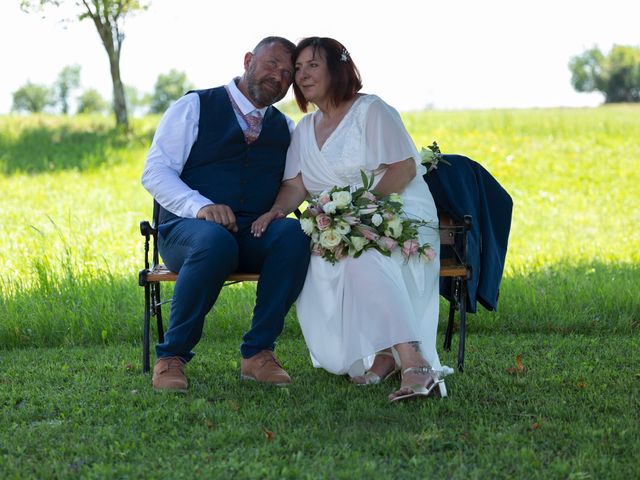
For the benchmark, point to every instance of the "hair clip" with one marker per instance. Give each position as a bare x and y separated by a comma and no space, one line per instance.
344,56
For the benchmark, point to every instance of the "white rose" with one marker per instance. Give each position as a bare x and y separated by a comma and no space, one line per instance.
359,243
376,219
394,228
342,228
307,225
329,238
342,199
394,197
329,207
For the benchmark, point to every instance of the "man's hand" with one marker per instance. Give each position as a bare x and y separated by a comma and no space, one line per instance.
221,214
262,223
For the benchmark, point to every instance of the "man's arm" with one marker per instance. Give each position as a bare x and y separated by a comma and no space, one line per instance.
172,142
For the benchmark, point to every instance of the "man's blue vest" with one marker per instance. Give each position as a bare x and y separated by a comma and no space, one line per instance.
227,170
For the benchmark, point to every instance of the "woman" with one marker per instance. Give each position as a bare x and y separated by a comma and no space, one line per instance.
366,307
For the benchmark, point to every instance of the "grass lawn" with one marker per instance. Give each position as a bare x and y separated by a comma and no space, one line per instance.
89,411
571,412
552,379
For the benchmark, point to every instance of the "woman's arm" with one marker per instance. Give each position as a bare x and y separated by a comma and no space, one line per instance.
387,141
396,177
292,193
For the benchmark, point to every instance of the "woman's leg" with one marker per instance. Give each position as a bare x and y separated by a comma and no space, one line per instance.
383,366
416,371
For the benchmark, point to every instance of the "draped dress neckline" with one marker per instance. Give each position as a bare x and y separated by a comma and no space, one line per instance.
338,126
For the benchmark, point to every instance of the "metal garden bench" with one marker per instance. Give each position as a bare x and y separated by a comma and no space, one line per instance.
453,241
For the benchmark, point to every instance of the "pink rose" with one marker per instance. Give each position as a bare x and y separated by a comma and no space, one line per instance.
387,243
324,199
410,247
323,221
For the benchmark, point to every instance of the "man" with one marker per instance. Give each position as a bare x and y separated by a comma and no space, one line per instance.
215,165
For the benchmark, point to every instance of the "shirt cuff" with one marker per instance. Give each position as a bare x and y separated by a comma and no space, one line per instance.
193,206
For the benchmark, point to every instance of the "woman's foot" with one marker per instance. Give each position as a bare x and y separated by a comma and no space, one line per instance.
420,381
384,367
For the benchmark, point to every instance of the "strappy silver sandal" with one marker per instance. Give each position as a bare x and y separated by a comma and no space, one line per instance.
371,378
417,390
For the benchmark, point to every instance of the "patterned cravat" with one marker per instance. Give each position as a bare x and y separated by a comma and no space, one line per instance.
253,120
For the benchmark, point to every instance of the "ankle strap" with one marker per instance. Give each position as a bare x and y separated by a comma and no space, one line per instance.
424,370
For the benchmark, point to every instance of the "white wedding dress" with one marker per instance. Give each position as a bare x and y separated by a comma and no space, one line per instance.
357,307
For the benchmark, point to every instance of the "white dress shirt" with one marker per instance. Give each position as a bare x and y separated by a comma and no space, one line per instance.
172,142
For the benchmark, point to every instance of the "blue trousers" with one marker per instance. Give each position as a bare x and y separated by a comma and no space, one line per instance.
205,253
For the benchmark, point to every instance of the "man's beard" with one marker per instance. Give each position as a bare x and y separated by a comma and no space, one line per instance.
264,92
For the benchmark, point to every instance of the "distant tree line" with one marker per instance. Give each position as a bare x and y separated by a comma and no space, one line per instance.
36,98
616,75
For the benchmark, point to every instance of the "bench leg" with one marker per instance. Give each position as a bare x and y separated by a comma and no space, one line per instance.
453,304
145,329
463,319
158,312
449,330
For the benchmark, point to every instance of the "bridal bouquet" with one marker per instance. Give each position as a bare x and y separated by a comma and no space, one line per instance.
341,224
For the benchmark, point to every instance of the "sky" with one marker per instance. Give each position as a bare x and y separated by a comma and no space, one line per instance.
415,54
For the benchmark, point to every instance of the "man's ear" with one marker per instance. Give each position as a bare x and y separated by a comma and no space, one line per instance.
247,60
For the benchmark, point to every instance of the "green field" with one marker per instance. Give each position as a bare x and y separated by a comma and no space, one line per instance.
74,402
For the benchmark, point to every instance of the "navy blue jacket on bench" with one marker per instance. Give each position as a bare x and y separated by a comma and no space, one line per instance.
462,188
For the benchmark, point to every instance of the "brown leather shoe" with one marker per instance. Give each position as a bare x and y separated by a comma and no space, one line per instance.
264,368
168,375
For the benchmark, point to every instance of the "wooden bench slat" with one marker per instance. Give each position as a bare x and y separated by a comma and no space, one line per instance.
162,274
243,277
448,268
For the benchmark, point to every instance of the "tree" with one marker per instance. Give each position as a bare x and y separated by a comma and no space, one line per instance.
168,88
92,102
616,75
108,17
68,80
33,98
136,102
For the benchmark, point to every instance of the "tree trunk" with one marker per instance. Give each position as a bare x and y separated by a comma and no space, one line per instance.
112,45
119,103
